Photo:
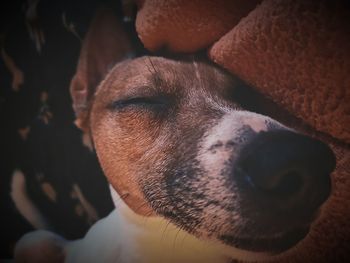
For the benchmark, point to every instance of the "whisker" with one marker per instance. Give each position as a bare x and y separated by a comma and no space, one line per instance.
197,72
152,64
164,230
183,239
148,68
175,238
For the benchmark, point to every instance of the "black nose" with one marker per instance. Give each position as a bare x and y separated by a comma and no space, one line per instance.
288,169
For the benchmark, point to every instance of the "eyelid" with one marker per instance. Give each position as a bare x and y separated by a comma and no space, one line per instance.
138,101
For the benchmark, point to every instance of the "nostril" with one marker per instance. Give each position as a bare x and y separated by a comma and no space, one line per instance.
278,185
288,184
288,168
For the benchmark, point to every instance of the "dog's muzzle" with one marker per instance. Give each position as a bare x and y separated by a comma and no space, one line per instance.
278,179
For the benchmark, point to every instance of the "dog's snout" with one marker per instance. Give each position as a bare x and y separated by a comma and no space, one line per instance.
289,170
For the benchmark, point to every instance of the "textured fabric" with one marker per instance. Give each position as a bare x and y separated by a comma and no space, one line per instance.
186,26
296,52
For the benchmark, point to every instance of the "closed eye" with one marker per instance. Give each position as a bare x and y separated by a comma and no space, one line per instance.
154,103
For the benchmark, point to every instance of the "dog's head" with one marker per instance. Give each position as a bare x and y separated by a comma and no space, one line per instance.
174,142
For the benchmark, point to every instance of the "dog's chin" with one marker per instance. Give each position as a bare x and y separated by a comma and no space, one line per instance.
273,245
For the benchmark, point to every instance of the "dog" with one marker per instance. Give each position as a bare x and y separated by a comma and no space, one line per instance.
194,176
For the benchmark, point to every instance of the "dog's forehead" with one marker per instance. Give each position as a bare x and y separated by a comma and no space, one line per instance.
162,74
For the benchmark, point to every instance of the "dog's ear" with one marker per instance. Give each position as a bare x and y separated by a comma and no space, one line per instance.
104,45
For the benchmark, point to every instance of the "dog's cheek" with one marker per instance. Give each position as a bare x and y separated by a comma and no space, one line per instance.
119,153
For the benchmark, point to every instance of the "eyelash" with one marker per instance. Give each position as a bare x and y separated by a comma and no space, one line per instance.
144,102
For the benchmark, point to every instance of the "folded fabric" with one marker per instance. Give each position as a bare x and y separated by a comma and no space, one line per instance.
187,26
296,52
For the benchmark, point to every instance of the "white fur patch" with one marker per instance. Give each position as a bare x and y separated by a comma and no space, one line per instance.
224,131
126,237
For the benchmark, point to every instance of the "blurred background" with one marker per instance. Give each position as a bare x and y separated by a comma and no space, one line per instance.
45,161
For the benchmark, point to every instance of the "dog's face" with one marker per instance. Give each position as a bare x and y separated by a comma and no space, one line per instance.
174,143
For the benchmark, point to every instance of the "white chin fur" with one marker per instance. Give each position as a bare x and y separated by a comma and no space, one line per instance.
171,244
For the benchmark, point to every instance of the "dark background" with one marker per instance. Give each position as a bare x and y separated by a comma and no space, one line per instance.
53,152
